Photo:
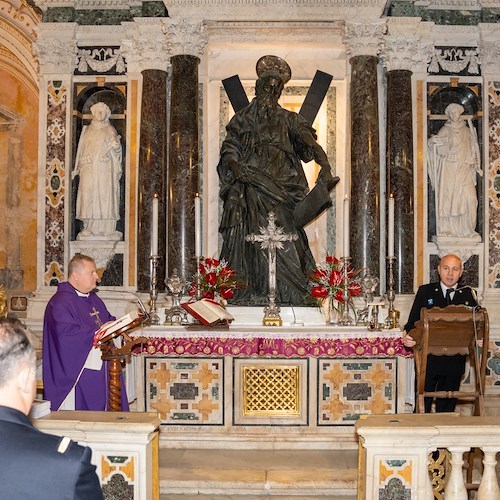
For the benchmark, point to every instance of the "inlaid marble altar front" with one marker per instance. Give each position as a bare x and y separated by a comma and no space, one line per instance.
314,376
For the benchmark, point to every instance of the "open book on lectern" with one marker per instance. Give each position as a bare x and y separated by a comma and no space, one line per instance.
208,311
109,330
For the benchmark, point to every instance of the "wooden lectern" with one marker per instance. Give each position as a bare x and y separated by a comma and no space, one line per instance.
116,355
448,331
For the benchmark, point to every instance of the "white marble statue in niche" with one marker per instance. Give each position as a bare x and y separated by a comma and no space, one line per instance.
454,160
99,165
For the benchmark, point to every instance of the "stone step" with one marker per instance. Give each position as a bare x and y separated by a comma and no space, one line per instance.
225,474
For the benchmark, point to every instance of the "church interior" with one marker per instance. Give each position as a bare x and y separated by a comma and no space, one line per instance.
279,406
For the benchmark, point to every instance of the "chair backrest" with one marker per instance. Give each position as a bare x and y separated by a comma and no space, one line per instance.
451,330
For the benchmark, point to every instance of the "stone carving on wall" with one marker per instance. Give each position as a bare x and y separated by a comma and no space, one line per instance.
453,162
454,60
186,37
410,53
55,51
363,38
100,60
145,45
99,165
490,55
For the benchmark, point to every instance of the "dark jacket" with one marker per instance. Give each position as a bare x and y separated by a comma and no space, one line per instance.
429,296
32,468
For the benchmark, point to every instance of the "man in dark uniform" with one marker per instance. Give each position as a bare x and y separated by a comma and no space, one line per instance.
34,465
444,373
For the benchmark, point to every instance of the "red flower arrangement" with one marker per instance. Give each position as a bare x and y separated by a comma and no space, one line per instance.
218,280
327,281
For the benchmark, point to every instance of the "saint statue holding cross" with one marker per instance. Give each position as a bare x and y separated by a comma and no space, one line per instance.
260,172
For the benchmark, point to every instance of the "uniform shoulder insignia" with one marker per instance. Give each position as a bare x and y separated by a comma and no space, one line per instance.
63,445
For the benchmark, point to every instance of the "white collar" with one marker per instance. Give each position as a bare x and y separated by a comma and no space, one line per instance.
444,287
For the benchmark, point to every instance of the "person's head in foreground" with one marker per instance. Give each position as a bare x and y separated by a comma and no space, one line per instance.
17,366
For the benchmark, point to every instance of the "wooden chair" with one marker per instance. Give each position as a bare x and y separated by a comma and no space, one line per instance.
448,331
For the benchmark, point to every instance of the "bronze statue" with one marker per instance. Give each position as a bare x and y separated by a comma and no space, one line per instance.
260,172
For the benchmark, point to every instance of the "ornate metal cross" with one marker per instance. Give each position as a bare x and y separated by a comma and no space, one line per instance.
271,238
95,313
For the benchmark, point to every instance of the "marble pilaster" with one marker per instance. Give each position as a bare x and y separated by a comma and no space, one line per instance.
363,41
152,173
184,164
56,56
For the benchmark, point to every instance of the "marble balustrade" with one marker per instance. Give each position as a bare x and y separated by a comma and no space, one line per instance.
124,445
395,454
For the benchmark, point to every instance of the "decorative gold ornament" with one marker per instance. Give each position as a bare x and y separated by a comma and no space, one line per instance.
271,391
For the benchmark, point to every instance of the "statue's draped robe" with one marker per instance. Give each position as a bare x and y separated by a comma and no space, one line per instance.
452,164
68,333
270,153
99,162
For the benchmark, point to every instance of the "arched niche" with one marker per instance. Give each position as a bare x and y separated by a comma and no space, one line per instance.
114,95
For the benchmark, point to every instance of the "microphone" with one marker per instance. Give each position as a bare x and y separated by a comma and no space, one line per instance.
140,303
474,296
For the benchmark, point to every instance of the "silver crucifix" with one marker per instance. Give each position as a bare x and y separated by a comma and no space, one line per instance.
271,238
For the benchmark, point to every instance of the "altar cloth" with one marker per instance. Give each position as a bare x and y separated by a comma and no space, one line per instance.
301,342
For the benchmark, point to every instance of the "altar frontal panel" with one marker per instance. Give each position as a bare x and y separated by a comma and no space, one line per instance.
270,391
185,391
349,388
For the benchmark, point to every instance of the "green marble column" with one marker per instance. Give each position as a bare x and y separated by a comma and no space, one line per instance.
365,165
152,174
400,174
184,167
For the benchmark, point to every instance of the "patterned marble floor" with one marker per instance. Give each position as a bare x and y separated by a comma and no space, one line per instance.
251,474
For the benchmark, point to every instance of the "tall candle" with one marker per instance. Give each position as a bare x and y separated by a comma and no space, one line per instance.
346,227
154,226
390,221
197,225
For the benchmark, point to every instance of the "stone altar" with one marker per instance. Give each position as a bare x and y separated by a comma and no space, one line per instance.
317,377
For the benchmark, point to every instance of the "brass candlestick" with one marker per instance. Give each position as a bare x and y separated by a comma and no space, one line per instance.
199,291
346,319
392,319
153,291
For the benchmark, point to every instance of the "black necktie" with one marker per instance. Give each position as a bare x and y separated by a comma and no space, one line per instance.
449,291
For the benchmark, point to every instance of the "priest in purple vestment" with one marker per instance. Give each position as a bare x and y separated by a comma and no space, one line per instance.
74,376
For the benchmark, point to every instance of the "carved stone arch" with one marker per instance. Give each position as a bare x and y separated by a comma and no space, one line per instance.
18,22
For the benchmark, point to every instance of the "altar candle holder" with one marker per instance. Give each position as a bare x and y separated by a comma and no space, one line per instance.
199,292
153,291
346,319
176,315
392,319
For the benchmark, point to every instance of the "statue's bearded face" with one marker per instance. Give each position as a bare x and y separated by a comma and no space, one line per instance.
267,94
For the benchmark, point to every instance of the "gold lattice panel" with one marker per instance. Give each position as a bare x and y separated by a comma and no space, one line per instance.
271,390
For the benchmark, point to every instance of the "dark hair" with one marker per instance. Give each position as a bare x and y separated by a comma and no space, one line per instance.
77,262
15,349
